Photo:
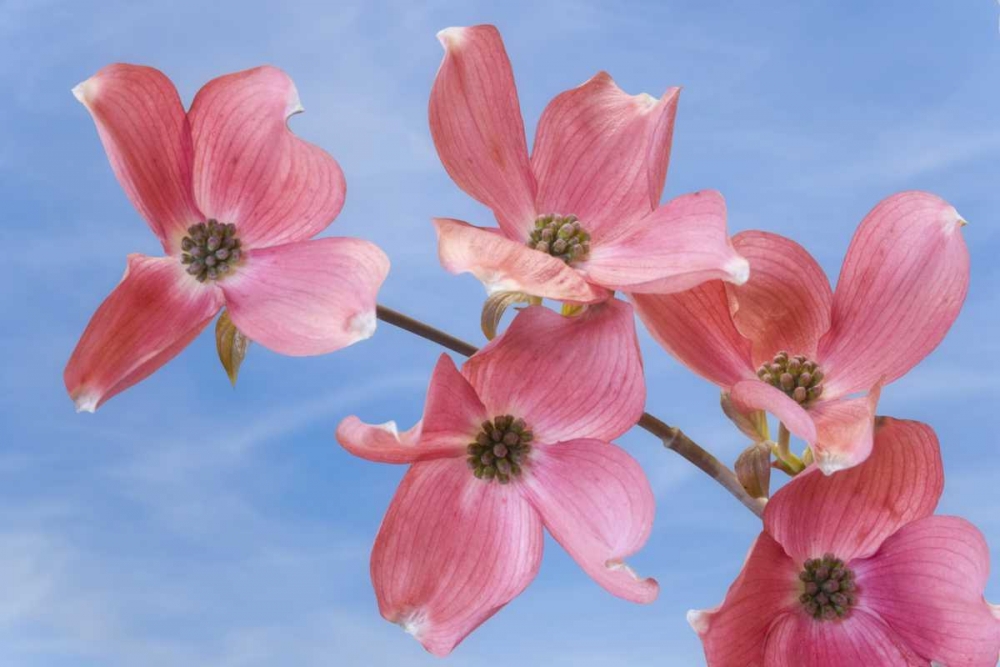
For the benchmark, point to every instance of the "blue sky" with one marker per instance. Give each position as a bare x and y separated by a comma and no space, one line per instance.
189,524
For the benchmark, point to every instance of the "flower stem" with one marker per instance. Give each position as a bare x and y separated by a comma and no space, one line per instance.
793,465
671,436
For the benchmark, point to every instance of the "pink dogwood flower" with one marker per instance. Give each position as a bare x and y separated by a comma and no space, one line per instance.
785,343
852,569
233,196
581,217
517,440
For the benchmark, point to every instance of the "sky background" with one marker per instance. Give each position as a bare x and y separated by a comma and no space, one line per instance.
190,524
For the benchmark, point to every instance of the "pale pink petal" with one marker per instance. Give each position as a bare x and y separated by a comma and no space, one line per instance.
750,395
567,377
733,634
452,550
452,417
853,511
504,265
798,640
902,284
476,124
676,247
695,327
927,582
153,313
310,297
786,303
251,170
146,135
601,154
596,501
844,431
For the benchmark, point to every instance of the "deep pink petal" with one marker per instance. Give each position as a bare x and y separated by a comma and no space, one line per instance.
153,313
733,634
452,417
504,265
601,154
596,501
786,303
567,377
476,124
695,327
676,247
902,284
146,135
750,395
927,582
798,640
452,550
853,511
310,297
251,170
844,431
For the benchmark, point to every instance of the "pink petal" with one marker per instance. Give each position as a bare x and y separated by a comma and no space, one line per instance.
798,640
146,135
844,431
476,123
251,170
601,154
451,420
733,634
696,328
902,284
927,582
567,377
310,297
750,395
676,247
153,313
504,265
452,550
786,303
852,512
596,501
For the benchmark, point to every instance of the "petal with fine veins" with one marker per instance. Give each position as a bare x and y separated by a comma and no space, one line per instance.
567,377
601,154
503,265
676,247
798,640
451,552
750,395
476,124
902,285
852,512
452,416
153,313
146,135
251,170
307,298
596,501
844,431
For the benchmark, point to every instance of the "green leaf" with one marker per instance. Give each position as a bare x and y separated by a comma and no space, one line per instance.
231,344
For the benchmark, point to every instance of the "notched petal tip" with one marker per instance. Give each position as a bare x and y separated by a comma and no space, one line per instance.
645,593
738,269
698,620
363,325
86,401
453,37
80,91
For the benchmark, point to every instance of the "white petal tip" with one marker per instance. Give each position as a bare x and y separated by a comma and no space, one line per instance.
363,325
738,269
412,623
829,464
80,92
389,427
86,402
698,620
451,37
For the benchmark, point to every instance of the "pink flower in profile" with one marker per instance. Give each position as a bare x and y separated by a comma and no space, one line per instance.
784,342
518,440
581,217
233,197
852,569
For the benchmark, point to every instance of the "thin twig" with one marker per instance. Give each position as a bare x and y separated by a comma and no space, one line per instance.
671,436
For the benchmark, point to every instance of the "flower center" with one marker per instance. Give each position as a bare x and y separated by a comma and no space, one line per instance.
211,250
828,588
560,236
500,450
797,376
